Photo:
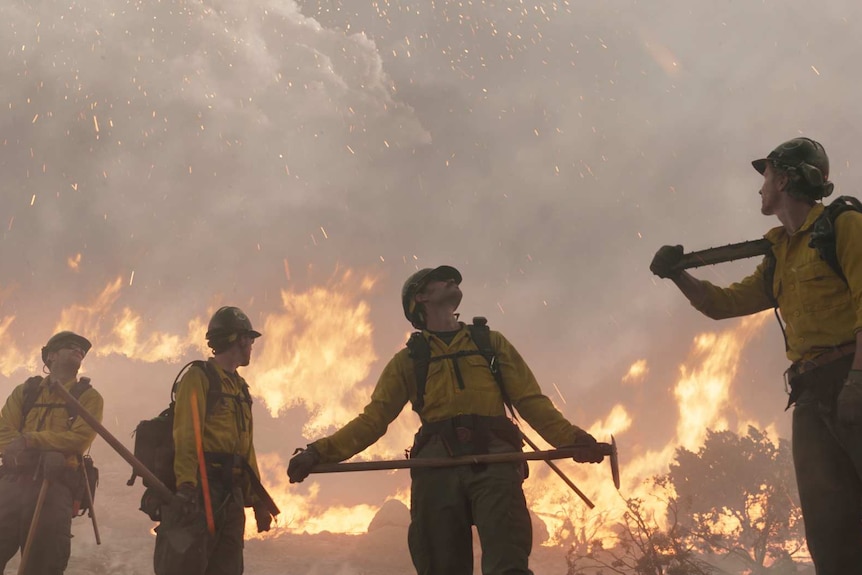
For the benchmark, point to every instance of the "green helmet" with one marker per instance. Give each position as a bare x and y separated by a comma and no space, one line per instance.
58,340
805,158
227,321
414,285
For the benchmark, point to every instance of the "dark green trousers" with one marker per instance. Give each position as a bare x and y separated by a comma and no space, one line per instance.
184,547
446,502
827,456
52,542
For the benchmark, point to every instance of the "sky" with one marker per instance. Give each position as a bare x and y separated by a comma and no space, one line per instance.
300,159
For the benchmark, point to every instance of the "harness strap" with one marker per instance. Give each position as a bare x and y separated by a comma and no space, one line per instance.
481,334
420,352
32,391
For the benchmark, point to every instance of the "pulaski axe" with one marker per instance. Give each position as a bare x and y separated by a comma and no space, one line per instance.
721,254
608,450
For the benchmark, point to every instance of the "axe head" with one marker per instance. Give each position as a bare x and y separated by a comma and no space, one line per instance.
615,463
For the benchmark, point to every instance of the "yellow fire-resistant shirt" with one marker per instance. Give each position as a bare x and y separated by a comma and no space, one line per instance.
820,310
227,429
47,427
445,399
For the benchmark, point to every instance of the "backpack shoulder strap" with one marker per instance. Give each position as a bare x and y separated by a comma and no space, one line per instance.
79,387
215,390
420,352
246,393
214,393
31,394
823,238
481,334
179,376
77,390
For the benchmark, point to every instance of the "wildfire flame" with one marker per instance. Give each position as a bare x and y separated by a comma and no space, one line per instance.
703,395
637,372
318,352
308,512
12,359
317,349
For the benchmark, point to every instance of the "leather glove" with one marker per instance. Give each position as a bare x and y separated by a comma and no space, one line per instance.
262,517
665,260
186,504
590,452
300,464
13,451
850,399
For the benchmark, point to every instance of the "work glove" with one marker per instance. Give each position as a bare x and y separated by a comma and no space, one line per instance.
262,517
589,449
665,260
850,399
301,463
186,504
182,520
13,450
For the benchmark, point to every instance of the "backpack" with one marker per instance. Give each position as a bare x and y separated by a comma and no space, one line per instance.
154,438
420,353
81,501
823,231
823,239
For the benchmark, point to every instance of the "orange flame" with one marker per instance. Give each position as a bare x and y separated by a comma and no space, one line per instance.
703,395
318,352
317,349
305,512
74,262
12,359
637,372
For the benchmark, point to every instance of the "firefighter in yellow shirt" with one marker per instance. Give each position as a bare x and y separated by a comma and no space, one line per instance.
183,545
36,426
461,405
823,316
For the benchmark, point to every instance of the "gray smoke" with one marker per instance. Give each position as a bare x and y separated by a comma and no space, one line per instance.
544,148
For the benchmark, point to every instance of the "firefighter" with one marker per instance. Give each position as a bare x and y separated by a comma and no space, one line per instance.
36,429
461,402
823,315
183,544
